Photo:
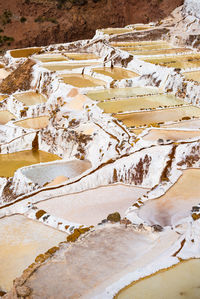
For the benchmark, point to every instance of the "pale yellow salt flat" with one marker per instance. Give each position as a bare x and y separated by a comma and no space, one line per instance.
188,124
58,180
91,206
194,76
158,51
157,43
67,66
9,163
33,123
3,74
179,282
21,240
5,116
154,117
77,102
81,56
48,57
30,98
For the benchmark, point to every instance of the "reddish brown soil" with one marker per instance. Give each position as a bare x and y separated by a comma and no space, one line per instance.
74,22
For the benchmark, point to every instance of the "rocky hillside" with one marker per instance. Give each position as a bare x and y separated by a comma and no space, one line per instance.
25,23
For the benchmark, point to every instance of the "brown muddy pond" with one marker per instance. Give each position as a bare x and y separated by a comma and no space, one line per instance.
178,282
9,163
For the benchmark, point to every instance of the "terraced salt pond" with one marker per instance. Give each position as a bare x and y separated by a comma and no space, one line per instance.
21,240
176,204
147,45
19,53
179,61
48,57
194,76
179,282
139,103
92,206
167,134
116,73
67,66
35,123
81,56
188,124
30,98
107,94
79,80
158,116
2,97
5,116
158,51
9,163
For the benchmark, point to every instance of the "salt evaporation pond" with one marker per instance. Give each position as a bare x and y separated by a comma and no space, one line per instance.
81,56
106,94
148,45
21,241
178,282
67,66
9,163
79,80
194,76
48,57
159,51
174,135
176,203
5,116
33,123
139,103
151,117
92,206
116,73
19,53
30,98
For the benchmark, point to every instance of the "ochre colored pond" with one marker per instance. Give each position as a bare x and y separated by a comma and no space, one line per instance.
30,98
5,116
106,94
111,31
33,123
9,163
18,53
178,282
147,44
48,57
2,97
158,51
151,117
131,104
21,241
78,80
116,73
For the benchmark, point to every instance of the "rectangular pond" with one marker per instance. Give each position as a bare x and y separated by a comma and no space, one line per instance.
33,123
30,98
79,80
25,52
5,116
116,73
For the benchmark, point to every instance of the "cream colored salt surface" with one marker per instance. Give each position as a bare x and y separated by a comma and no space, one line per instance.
5,116
179,282
81,56
3,74
67,66
176,203
151,117
30,98
139,103
155,44
48,57
9,163
159,51
21,240
188,124
194,76
92,206
33,123
174,135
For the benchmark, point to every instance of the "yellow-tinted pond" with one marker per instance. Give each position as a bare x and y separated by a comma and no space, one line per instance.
67,66
18,53
179,282
79,80
5,116
106,94
131,104
111,31
2,97
116,73
9,163
81,56
152,117
143,47
174,135
21,241
30,98
194,76
179,61
33,123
